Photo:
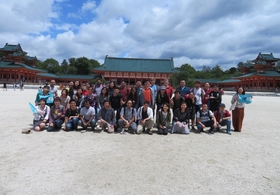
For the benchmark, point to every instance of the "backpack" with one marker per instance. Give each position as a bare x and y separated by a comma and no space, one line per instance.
207,114
124,109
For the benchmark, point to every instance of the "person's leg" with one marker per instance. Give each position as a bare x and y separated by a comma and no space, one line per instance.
75,123
42,126
69,125
149,124
210,124
58,123
121,123
133,127
235,118
199,127
80,123
139,128
160,131
228,125
50,128
185,129
165,131
241,117
93,124
172,127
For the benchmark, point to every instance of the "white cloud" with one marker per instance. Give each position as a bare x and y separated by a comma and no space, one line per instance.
195,32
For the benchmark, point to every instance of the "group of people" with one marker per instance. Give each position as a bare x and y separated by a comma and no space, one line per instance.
120,108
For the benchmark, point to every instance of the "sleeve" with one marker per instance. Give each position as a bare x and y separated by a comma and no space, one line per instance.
122,111
81,111
51,116
211,113
135,113
228,113
198,114
150,112
175,115
157,118
67,113
47,113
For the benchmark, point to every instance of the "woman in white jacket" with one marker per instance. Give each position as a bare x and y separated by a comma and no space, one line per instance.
42,116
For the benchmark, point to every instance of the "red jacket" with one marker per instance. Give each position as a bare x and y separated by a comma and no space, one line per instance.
218,116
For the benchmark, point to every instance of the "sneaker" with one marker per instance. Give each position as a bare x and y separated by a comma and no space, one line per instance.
229,132
149,131
122,132
193,128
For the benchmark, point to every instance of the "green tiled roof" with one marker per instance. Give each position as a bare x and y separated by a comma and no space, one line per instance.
267,56
66,76
31,58
137,65
10,47
265,73
12,65
230,81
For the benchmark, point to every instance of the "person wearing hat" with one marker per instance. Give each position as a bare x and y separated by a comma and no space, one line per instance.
161,98
223,118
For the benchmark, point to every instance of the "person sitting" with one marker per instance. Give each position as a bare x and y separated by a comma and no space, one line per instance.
223,118
127,118
65,98
145,118
87,115
72,116
164,119
42,116
205,118
57,114
107,117
181,120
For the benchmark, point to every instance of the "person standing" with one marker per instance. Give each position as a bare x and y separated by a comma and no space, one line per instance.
169,89
148,94
215,99
183,89
199,94
98,86
124,91
139,91
116,101
207,91
176,101
154,87
53,88
191,100
4,86
161,98
238,112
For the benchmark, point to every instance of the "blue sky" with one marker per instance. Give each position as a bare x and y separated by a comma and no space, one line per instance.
198,32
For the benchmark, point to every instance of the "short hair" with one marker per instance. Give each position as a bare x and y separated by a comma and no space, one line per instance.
106,101
86,101
46,87
197,81
72,100
43,99
146,102
177,91
57,99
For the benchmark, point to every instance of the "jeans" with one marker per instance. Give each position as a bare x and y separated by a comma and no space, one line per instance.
227,123
56,125
92,124
179,128
162,131
72,124
132,127
209,123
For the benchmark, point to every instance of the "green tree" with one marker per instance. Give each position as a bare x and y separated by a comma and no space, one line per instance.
71,70
186,72
51,65
217,72
72,61
94,63
83,65
64,67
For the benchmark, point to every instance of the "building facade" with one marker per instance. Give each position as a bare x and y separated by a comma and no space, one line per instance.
131,70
